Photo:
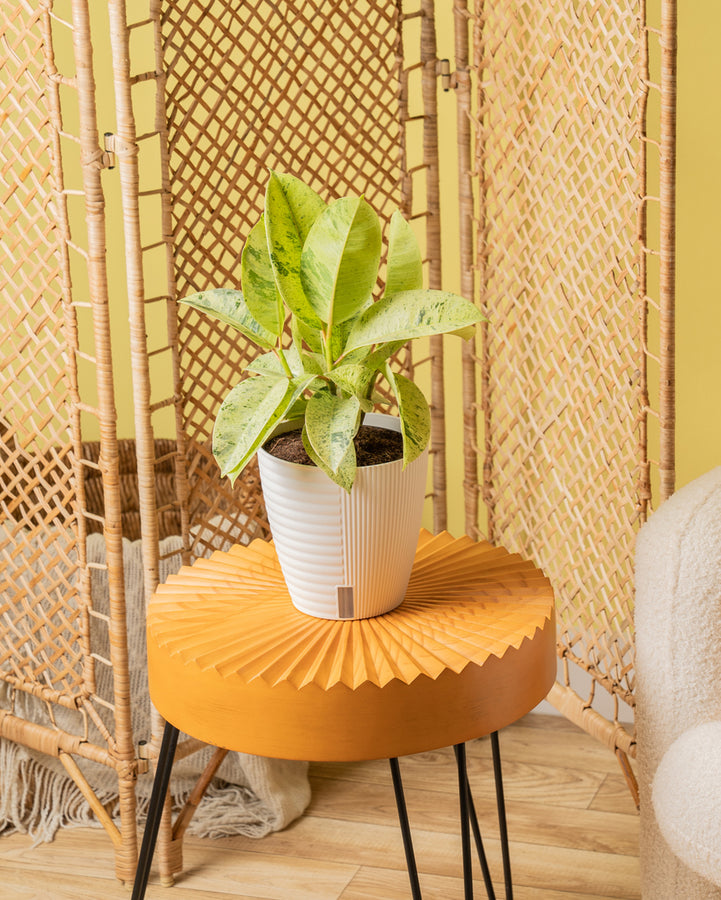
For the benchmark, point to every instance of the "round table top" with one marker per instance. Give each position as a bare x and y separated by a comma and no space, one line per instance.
470,649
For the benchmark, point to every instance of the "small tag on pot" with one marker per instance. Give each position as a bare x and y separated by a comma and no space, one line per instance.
345,602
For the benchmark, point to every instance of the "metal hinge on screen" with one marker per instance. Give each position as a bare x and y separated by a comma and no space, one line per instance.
109,150
443,69
451,80
115,146
142,762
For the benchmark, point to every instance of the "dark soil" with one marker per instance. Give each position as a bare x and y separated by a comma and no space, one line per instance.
373,446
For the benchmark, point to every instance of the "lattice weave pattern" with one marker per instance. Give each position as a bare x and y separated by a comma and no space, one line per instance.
41,629
559,247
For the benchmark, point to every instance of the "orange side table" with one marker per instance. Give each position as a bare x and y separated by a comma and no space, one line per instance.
232,662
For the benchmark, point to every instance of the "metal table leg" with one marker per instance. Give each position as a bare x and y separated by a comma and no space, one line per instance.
155,811
470,815
468,818
501,806
463,795
405,829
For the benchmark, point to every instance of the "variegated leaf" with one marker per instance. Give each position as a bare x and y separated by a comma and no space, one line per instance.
405,266
412,314
229,306
267,364
305,205
285,245
246,418
465,334
339,263
297,410
377,358
331,423
353,379
270,363
345,475
339,336
303,333
414,414
258,281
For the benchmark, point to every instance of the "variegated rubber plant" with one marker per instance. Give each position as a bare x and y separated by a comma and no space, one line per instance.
314,267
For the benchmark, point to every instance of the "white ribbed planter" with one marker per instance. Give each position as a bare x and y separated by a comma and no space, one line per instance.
345,556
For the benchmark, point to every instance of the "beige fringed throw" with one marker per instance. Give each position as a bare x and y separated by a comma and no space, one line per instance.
250,796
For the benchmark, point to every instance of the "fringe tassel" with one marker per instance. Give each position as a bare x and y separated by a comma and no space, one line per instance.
37,800
34,799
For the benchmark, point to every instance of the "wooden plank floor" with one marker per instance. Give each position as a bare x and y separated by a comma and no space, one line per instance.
573,828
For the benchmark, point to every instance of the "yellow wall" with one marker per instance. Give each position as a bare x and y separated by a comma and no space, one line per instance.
698,302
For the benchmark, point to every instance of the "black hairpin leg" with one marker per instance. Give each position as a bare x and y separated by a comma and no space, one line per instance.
501,805
405,829
468,814
463,793
155,811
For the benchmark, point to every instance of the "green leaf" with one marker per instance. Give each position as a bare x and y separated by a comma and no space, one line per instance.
339,263
229,306
267,364
405,266
355,357
383,352
305,205
353,379
314,362
412,314
285,245
331,423
270,364
258,282
465,334
414,414
246,418
345,476
303,332
297,410
294,360
339,337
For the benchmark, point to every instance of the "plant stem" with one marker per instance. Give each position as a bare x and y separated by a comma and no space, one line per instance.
283,360
328,352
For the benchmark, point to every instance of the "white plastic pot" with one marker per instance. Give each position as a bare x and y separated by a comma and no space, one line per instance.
345,556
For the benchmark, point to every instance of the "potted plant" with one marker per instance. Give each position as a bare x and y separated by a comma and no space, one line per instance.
308,274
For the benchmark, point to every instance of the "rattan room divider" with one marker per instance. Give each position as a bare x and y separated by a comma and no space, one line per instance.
569,386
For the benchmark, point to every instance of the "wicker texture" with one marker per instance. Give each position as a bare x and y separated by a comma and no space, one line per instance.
37,491
62,329
561,152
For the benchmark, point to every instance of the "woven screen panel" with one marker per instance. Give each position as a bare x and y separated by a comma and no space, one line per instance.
311,89
41,616
558,149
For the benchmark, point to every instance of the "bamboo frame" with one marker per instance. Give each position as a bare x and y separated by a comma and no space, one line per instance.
667,249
